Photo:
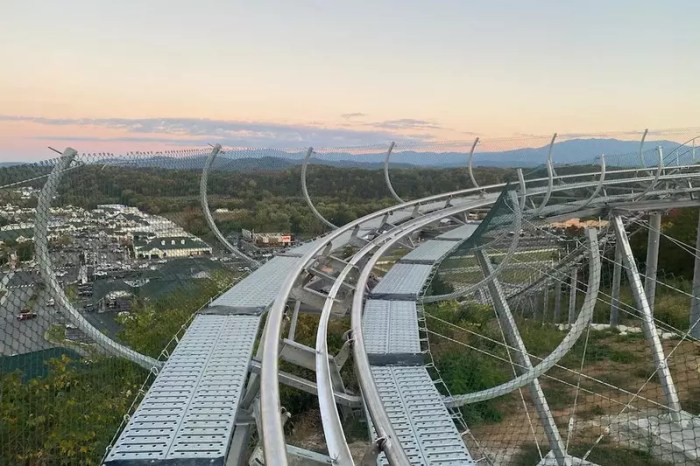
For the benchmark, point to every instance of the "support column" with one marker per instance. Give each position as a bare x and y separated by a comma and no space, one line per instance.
652,257
572,295
617,278
545,304
293,323
557,301
648,324
695,303
521,357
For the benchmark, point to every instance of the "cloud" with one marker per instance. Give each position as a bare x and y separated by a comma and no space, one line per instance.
407,123
230,132
349,116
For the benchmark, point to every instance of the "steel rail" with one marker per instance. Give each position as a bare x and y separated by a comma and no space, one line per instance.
273,438
335,439
373,402
204,201
41,226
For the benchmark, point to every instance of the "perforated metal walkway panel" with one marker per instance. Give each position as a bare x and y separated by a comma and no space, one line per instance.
390,331
402,281
460,233
425,428
188,415
260,288
428,252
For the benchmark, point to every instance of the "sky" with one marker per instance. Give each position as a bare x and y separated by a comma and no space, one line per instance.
132,75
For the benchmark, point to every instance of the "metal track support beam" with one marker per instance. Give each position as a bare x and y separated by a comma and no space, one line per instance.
648,324
652,262
557,300
522,358
617,278
695,303
573,288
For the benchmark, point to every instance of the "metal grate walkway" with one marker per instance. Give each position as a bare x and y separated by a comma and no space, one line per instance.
417,412
190,410
424,426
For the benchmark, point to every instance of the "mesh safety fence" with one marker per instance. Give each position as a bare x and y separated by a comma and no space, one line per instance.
624,388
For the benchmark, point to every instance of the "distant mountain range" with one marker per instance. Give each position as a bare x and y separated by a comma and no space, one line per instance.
574,151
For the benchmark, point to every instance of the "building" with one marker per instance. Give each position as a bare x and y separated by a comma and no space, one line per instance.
267,239
181,246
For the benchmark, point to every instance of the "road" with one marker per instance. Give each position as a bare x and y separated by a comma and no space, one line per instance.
24,336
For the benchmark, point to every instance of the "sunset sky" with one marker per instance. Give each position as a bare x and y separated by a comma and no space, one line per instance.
145,75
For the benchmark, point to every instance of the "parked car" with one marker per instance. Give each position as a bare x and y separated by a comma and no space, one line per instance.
26,315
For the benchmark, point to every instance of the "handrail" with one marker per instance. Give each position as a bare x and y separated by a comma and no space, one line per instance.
204,201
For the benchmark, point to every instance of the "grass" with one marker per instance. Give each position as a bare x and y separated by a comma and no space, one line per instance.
602,454
56,333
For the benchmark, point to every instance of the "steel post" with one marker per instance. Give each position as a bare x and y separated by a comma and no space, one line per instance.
572,295
293,322
652,257
617,278
648,324
545,304
695,303
522,359
557,301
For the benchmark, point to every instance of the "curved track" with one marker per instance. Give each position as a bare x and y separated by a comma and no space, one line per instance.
595,200
591,193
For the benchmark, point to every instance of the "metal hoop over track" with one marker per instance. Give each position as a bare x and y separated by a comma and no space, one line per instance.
386,174
470,163
550,177
43,213
560,351
204,201
311,205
